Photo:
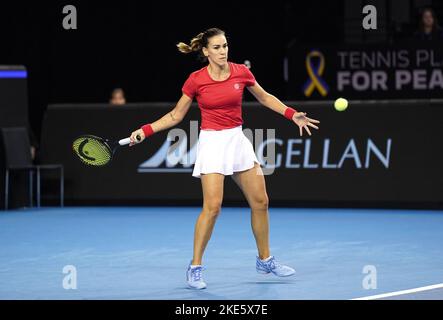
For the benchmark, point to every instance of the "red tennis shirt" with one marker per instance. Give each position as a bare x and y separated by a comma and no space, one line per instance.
220,102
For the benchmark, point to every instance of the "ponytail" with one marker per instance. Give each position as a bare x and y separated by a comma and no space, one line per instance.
196,44
199,42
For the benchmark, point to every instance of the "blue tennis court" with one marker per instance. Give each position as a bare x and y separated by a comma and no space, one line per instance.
143,253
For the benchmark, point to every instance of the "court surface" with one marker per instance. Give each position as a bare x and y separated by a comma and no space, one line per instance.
143,253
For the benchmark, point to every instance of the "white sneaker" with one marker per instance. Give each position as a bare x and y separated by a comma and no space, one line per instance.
194,277
273,266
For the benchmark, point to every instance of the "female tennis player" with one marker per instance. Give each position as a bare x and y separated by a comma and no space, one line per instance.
223,149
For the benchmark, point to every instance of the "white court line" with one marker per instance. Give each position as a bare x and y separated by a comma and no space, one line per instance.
399,293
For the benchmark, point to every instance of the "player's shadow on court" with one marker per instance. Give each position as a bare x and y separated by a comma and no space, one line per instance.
271,282
202,294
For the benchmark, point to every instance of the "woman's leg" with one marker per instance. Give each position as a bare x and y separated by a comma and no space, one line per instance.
252,183
212,185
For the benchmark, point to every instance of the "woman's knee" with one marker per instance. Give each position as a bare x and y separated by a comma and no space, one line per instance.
212,208
260,202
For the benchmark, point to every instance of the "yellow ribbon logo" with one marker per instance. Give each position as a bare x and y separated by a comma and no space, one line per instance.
315,72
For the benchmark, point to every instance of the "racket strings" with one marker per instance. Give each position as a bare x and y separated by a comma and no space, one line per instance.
92,151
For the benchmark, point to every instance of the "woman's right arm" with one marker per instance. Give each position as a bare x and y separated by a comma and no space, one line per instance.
169,120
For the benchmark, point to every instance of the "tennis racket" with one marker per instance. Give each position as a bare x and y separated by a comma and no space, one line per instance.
96,151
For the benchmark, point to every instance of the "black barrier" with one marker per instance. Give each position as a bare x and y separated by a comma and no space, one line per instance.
407,70
13,96
13,113
376,153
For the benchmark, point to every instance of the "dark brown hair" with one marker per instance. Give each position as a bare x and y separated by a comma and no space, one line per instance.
420,22
199,42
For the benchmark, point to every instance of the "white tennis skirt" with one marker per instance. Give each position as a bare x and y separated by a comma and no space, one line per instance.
223,151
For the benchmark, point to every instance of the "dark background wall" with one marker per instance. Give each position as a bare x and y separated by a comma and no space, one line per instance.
131,44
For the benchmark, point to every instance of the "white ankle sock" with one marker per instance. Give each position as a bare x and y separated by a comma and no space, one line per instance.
267,259
195,265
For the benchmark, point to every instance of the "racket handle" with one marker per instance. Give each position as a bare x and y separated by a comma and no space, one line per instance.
126,141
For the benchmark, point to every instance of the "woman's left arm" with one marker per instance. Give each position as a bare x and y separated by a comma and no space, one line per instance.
273,103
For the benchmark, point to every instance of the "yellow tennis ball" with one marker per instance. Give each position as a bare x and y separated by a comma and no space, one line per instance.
341,104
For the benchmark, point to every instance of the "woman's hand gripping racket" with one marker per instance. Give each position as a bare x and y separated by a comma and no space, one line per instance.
95,151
